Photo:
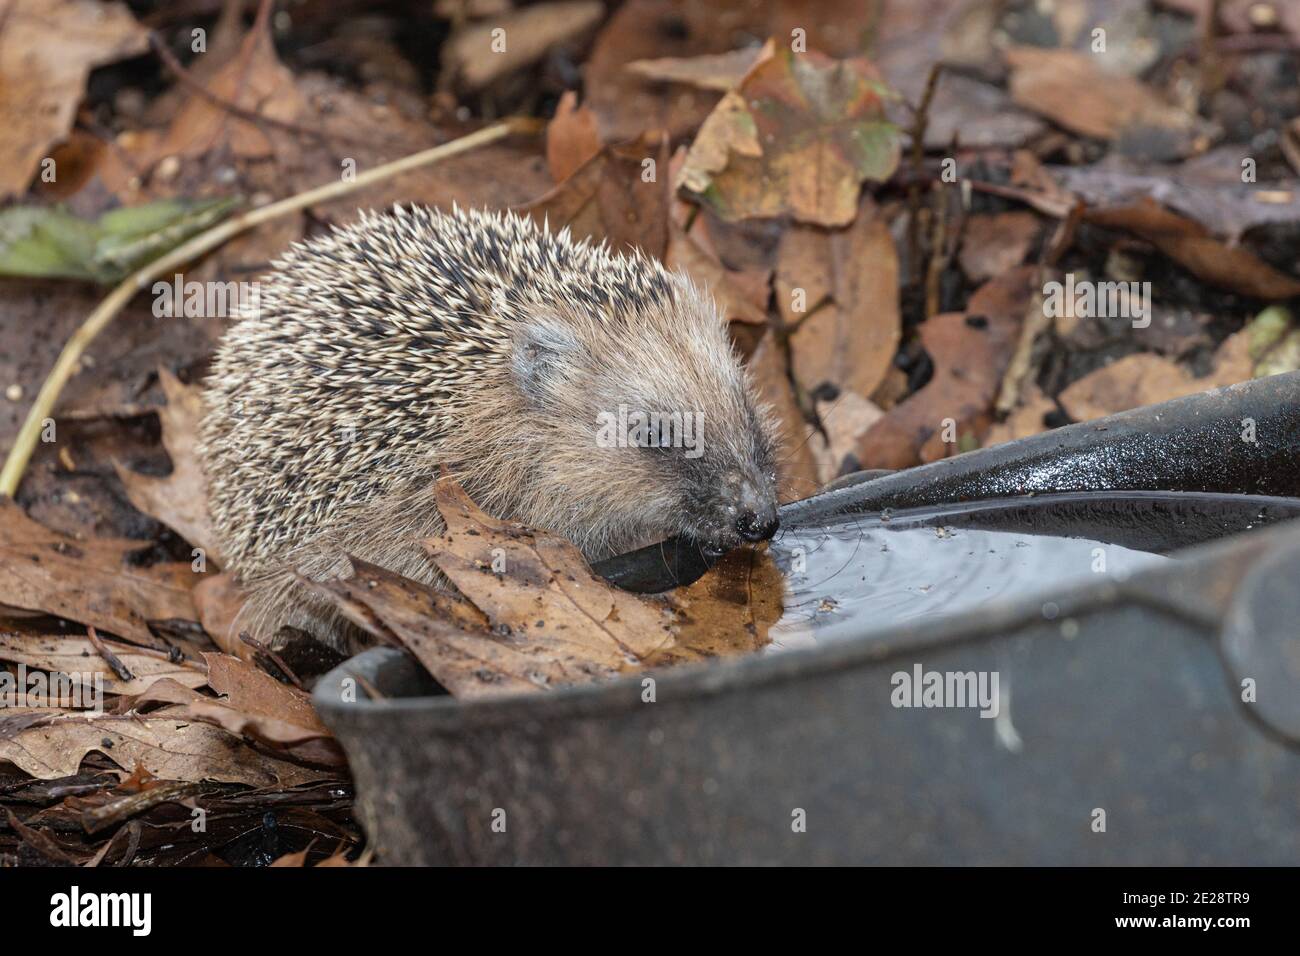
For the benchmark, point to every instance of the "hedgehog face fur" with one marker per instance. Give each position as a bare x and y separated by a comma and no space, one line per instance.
566,387
635,426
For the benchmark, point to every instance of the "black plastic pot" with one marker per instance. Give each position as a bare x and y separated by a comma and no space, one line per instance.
1152,720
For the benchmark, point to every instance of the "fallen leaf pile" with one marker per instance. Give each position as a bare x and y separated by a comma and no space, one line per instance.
879,197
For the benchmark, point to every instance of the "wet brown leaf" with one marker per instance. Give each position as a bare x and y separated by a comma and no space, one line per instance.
798,137
728,611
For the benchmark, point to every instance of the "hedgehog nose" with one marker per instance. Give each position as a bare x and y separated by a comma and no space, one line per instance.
753,527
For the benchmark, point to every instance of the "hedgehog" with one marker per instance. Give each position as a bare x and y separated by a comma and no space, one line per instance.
543,373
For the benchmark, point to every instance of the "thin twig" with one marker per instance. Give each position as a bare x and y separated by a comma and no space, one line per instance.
121,670
205,242
250,116
920,122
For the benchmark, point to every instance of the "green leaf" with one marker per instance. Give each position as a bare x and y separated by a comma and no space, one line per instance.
45,242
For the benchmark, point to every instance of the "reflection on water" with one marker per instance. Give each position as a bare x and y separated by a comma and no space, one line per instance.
862,574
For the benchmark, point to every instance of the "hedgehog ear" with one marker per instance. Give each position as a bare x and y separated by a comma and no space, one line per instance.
541,353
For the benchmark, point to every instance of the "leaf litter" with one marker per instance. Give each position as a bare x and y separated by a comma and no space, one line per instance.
876,290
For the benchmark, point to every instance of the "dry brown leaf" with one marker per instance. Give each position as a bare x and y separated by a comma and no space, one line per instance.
88,581
1071,89
572,137
459,651
169,748
849,342
996,242
1192,246
1025,419
256,706
478,54
798,137
49,49
845,419
77,657
1146,379
264,85
712,71
612,198
798,440
179,500
970,352
742,296
218,600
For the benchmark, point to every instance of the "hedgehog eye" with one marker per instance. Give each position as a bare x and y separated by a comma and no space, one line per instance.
542,354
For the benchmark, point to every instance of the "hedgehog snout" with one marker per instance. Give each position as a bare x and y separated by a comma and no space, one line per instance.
743,511
755,511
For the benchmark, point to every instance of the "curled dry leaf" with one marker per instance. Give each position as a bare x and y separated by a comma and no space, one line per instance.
88,581
41,82
180,500
260,83
219,600
1193,246
798,137
844,419
970,351
258,707
712,71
